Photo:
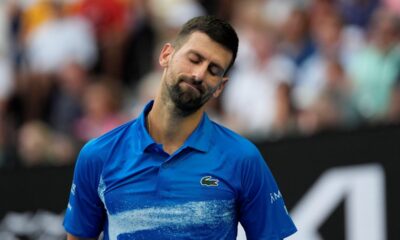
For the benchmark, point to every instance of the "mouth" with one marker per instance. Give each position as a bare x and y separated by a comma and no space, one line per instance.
195,87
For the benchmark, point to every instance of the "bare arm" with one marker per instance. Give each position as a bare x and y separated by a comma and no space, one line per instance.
71,237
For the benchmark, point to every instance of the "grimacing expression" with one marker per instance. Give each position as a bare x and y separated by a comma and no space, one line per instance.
195,71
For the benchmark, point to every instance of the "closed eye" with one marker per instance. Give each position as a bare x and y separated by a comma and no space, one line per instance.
195,61
194,58
215,70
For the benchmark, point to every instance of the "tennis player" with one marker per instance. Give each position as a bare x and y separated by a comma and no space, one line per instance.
172,173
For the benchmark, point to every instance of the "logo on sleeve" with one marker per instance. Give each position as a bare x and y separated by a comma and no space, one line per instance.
275,196
73,189
209,181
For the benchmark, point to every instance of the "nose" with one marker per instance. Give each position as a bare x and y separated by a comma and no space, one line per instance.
199,72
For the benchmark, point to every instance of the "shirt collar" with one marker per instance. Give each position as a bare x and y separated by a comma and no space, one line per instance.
145,140
199,139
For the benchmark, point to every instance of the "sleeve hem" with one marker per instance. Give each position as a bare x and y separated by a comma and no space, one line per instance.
279,236
80,234
287,232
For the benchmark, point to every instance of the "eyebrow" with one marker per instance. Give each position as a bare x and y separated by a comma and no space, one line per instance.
202,57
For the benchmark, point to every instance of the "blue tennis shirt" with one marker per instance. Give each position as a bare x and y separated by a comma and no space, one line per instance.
126,186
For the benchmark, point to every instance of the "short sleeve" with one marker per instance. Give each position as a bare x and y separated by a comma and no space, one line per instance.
85,214
263,214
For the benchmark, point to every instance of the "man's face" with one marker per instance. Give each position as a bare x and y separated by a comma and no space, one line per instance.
194,72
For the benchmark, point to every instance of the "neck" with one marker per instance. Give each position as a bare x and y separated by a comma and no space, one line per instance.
169,128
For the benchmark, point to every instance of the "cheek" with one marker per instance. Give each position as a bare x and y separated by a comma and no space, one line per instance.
181,65
214,88
174,68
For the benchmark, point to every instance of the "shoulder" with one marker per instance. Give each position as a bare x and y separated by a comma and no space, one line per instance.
95,154
234,143
98,149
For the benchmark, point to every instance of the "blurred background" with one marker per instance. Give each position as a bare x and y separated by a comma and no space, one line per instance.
316,86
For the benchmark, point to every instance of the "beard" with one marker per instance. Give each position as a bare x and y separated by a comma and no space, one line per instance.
190,100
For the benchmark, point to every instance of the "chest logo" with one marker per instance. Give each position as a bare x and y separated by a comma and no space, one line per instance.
209,181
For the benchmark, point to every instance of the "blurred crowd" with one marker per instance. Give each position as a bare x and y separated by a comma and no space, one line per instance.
71,70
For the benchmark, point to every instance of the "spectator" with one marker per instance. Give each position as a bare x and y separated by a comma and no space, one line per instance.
101,111
332,109
39,145
109,19
170,14
393,5
357,12
60,40
296,40
260,79
4,25
140,44
66,106
145,91
53,44
219,8
6,72
314,77
34,14
375,69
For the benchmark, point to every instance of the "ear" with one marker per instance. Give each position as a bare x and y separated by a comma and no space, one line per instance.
165,55
220,87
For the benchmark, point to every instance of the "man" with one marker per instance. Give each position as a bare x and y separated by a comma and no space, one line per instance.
172,173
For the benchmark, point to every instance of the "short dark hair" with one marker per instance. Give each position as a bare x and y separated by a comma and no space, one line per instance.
217,29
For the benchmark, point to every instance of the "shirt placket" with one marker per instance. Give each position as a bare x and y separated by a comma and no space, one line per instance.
166,173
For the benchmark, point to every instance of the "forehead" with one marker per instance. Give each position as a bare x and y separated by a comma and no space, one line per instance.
211,50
